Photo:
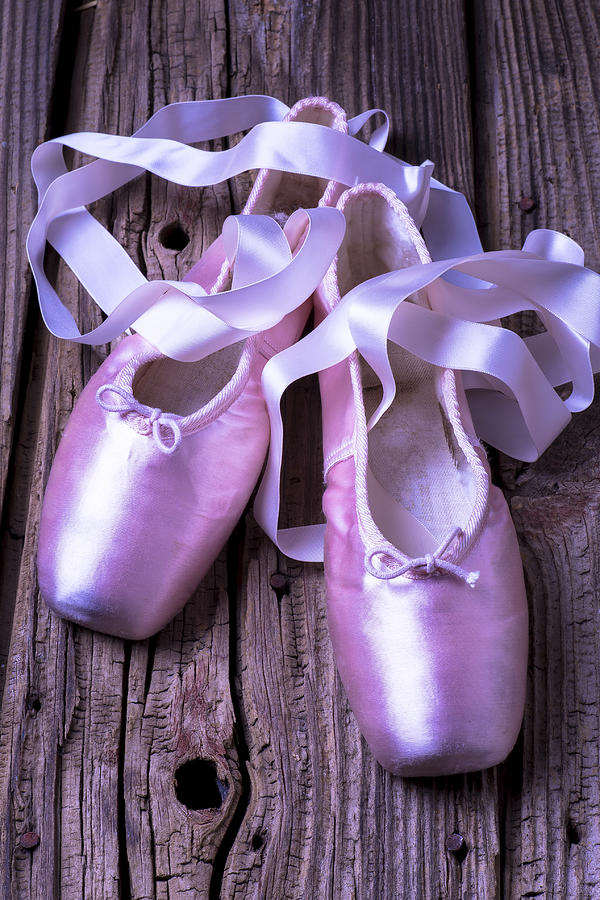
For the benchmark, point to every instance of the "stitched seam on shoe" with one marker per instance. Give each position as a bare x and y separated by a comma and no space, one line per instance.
266,343
480,509
343,452
226,396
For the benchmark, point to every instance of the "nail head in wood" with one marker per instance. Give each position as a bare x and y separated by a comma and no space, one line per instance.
279,582
527,204
456,845
29,839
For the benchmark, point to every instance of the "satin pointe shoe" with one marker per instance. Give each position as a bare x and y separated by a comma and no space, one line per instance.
159,457
425,594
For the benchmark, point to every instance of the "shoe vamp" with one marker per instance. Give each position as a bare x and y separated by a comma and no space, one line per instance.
434,670
124,524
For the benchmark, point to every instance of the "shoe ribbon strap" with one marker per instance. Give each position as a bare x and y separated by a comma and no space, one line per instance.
161,147
510,381
108,273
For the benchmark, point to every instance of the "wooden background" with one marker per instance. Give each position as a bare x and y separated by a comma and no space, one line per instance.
280,798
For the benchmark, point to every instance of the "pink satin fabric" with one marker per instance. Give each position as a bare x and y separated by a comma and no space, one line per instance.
126,532
435,672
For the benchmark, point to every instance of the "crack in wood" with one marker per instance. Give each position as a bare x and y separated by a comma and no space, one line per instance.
124,871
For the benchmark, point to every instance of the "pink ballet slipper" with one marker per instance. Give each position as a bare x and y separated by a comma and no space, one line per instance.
425,594
159,458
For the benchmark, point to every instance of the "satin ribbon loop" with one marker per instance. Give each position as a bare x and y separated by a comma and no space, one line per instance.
155,418
380,135
510,382
162,146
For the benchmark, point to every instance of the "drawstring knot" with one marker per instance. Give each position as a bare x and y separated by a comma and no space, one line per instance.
156,418
430,564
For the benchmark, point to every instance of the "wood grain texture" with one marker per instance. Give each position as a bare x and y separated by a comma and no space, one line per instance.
552,823
29,51
323,820
220,759
109,797
536,97
29,47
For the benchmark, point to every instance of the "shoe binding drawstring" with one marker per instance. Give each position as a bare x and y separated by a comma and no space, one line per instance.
156,418
430,564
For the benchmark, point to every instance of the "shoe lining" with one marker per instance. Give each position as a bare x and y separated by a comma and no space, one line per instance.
413,452
182,387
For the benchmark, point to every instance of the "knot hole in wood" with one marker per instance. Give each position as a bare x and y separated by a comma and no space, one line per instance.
173,236
198,786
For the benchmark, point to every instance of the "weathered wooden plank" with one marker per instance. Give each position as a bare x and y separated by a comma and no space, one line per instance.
323,819
179,709
29,47
116,813
29,50
553,827
537,122
60,725
536,101
181,781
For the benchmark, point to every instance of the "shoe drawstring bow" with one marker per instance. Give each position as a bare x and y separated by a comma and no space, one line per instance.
156,418
430,564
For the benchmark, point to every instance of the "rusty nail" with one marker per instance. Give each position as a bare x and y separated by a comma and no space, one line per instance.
278,582
527,204
29,839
